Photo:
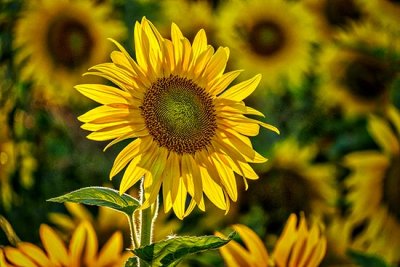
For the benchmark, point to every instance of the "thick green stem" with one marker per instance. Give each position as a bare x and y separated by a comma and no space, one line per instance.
147,218
132,227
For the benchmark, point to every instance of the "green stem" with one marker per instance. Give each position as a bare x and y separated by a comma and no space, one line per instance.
147,218
132,227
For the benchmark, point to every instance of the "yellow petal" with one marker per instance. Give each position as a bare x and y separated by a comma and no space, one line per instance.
242,90
252,242
216,65
234,254
76,245
18,258
228,179
91,244
219,85
35,253
103,94
111,251
382,133
180,201
285,242
53,245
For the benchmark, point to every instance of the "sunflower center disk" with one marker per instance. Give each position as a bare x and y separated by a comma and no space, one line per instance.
341,12
391,184
69,42
367,77
266,38
179,114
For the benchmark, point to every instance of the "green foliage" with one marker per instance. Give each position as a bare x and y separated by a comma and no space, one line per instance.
101,196
366,260
170,252
131,262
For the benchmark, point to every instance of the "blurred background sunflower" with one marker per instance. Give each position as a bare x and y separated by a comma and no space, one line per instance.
330,83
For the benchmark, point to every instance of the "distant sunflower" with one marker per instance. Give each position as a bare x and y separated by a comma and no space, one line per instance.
385,11
373,186
82,250
297,246
200,14
354,74
272,36
191,131
293,182
335,15
58,40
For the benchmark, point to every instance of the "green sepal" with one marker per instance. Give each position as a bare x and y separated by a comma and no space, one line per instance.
170,252
101,196
366,260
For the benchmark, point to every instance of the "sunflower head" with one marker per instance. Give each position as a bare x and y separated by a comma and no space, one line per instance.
189,127
359,70
272,36
372,189
58,40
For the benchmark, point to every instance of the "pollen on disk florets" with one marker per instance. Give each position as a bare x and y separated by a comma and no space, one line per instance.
179,114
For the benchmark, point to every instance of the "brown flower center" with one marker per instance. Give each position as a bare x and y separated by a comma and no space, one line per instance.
341,12
266,38
367,77
391,185
69,42
179,114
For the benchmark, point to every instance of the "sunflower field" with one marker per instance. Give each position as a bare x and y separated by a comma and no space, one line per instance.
254,133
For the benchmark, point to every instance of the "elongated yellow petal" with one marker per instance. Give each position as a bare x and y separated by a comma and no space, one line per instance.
34,253
54,246
111,250
252,242
18,258
242,90
76,245
103,94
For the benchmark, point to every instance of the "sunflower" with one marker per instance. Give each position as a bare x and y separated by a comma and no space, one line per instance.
270,37
82,250
357,73
293,182
390,9
58,40
191,131
200,14
373,185
297,246
332,16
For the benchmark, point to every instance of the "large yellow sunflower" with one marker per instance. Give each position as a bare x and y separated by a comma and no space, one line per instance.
82,250
297,246
292,182
58,40
191,131
373,186
332,16
272,38
357,73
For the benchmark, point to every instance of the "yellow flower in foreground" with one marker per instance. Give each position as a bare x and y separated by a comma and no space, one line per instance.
373,189
191,131
58,40
296,247
271,36
82,250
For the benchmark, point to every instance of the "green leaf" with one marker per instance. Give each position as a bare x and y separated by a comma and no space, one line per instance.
101,196
170,252
132,262
366,260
